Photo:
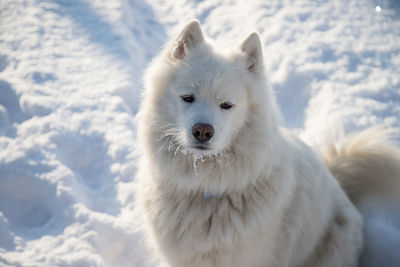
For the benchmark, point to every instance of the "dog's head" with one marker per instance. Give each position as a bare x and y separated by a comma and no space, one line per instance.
203,98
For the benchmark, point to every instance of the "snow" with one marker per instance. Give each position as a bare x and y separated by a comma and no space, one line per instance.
70,83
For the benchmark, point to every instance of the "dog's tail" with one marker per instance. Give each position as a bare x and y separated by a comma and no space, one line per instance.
366,164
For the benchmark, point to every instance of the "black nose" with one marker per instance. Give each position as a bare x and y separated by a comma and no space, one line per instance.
202,132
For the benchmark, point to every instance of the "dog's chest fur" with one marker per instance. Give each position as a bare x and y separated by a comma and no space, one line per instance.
222,231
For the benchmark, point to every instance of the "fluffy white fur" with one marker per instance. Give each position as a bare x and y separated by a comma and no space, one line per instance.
274,202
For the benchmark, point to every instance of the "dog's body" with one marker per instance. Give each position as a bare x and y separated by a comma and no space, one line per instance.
221,185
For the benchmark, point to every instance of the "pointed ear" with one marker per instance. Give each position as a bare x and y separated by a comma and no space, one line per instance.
187,40
251,47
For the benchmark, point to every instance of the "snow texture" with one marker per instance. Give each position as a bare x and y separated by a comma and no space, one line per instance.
70,83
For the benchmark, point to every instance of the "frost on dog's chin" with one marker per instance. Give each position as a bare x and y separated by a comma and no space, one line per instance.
200,157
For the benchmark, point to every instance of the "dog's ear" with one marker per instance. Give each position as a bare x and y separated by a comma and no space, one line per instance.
187,40
251,47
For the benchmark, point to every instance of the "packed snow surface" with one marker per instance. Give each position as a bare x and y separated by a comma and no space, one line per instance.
70,83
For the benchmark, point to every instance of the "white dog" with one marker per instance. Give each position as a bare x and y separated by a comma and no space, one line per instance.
220,184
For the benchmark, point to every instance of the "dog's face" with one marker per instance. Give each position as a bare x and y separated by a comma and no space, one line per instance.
206,100
211,104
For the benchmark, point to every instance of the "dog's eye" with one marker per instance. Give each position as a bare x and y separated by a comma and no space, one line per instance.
188,98
226,105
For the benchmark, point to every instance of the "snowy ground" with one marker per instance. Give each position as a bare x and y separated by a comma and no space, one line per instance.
70,81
